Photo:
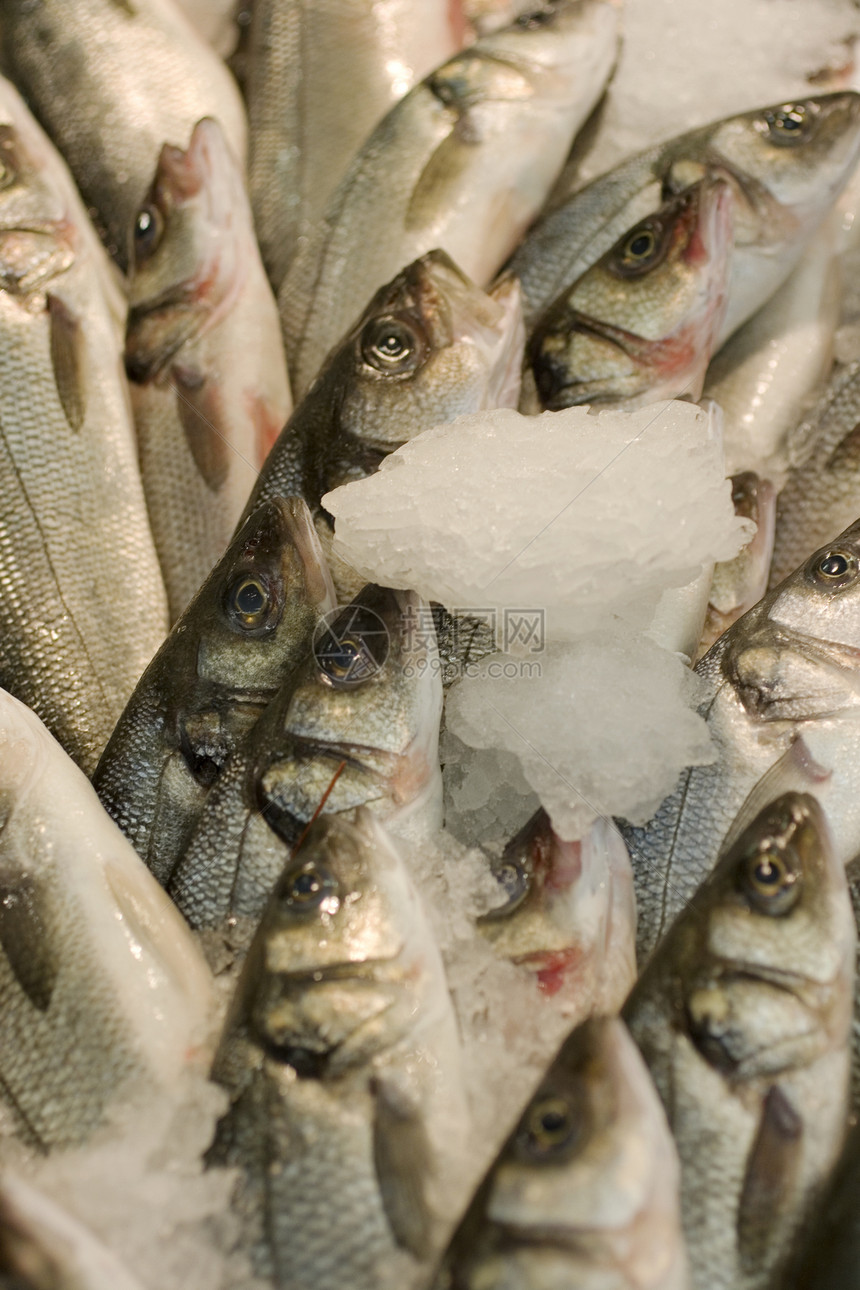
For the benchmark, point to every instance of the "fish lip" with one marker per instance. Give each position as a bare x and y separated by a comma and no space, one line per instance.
346,970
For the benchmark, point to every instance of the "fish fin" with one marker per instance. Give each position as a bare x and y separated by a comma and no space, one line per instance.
404,1163
25,939
207,445
771,1180
68,359
796,771
434,188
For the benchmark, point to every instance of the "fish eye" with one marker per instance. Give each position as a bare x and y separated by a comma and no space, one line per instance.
549,1129
250,603
305,889
9,167
351,648
637,252
534,21
148,230
515,879
789,124
835,568
770,881
391,345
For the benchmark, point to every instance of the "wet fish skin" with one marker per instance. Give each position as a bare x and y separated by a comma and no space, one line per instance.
318,77
585,1191
642,322
369,695
342,1061
105,55
569,915
782,192
456,350
211,680
738,584
204,355
95,962
828,1254
454,164
783,698
743,1017
83,606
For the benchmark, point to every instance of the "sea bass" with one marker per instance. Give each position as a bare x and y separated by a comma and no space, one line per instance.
105,992
83,606
737,584
743,1017
204,355
318,76
357,723
786,165
640,325
585,1191
429,347
784,693
250,624
342,1061
82,65
464,162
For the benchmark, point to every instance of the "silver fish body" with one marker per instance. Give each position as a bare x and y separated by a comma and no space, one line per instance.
342,1062
204,356
463,162
357,723
250,624
743,1016
82,65
585,1191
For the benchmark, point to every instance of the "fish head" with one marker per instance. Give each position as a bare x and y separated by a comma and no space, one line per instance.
253,618
787,162
338,947
641,323
370,697
774,935
37,238
822,598
546,40
186,255
430,346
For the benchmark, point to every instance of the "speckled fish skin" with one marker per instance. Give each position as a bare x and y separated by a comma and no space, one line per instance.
569,915
369,695
782,680
585,1191
641,324
822,492
318,77
463,162
80,65
738,584
784,183
106,994
204,356
83,606
212,679
429,347
342,1061
43,1248
743,1017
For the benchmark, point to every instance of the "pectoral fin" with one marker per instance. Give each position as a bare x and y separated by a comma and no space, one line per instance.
771,1183
68,359
208,447
25,938
404,1163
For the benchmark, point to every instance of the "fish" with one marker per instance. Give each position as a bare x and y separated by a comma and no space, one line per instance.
249,626
204,356
822,492
216,21
44,1248
786,164
83,606
355,724
341,1059
462,162
107,999
852,877
782,697
81,66
568,916
640,325
585,1190
429,347
318,77
828,1252
739,583
743,1017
